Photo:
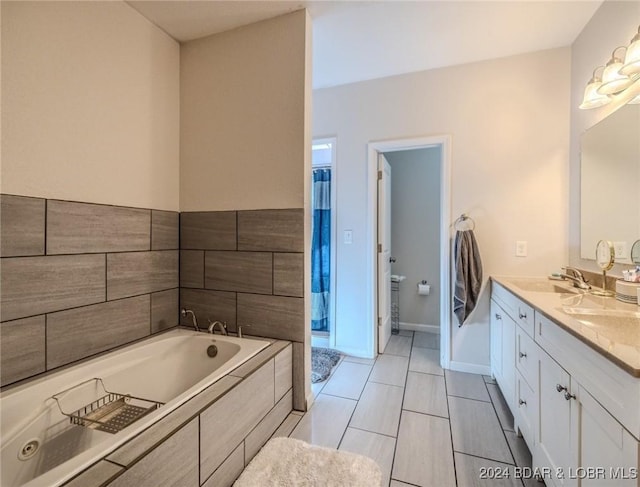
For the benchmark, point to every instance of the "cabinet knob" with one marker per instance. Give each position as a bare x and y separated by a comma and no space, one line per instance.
560,388
523,316
568,396
498,317
523,354
522,402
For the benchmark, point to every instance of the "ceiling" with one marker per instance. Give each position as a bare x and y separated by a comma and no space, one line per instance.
360,40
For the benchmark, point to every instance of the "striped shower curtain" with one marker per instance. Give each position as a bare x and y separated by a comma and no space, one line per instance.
320,249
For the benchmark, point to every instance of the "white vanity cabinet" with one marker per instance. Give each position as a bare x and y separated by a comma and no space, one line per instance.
578,440
578,412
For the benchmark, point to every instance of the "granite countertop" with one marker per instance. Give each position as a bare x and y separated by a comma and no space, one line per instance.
608,326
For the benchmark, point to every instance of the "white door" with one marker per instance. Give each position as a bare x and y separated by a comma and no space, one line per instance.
384,252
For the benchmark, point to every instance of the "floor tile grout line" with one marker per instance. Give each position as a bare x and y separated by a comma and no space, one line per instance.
484,458
501,428
373,432
404,392
363,386
356,406
446,391
469,398
426,373
384,384
425,414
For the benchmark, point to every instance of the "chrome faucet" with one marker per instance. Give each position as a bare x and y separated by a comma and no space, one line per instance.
187,312
220,324
576,277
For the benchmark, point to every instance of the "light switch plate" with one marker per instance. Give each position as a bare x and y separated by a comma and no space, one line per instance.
348,236
521,248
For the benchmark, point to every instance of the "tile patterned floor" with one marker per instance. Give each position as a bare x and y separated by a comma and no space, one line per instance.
424,426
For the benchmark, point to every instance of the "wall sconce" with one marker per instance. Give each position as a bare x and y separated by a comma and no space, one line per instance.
620,72
632,59
592,97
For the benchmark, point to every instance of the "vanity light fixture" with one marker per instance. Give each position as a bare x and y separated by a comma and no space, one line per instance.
622,71
612,81
631,65
592,98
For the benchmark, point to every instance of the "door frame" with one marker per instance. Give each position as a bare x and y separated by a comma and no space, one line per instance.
331,341
425,142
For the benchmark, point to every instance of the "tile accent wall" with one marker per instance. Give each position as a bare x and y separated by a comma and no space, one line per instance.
247,268
80,278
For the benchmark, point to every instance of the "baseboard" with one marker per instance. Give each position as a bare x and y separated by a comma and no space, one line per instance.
419,327
470,368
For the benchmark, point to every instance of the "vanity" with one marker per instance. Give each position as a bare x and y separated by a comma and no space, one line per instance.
568,365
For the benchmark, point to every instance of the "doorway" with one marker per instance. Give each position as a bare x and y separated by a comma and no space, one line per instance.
378,288
323,242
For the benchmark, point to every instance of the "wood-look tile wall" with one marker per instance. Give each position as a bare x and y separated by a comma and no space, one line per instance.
246,268
80,278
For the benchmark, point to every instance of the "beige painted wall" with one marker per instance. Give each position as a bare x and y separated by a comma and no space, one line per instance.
90,104
246,125
613,25
509,122
242,117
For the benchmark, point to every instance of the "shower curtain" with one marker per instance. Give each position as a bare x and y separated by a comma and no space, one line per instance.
320,249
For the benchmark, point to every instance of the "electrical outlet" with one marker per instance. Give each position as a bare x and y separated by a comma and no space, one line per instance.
521,248
620,249
348,236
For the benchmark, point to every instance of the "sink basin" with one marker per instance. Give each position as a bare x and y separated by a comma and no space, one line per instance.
542,286
620,326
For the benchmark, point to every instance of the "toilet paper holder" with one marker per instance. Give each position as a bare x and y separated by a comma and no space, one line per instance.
423,288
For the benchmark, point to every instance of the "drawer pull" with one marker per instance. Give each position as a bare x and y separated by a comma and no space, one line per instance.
523,354
568,396
523,316
522,402
498,317
560,388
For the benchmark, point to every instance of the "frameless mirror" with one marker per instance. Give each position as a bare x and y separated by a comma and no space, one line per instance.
610,183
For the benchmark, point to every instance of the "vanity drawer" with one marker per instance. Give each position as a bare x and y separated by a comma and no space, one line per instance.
526,412
520,311
527,358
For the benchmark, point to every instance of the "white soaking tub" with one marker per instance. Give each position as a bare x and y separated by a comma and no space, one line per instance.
39,445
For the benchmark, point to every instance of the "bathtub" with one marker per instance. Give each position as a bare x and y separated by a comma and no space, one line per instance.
169,368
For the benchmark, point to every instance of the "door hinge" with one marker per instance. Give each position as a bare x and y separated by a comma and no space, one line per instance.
379,321
379,247
379,175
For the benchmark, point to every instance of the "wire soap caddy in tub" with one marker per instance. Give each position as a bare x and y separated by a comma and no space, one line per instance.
111,412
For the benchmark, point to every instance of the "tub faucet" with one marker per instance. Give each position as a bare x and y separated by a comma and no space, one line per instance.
220,324
576,277
187,312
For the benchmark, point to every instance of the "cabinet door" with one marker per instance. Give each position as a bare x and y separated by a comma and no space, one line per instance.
508,382
554,434
496,339
607,453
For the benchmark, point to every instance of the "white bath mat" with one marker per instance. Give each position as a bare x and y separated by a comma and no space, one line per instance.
286,462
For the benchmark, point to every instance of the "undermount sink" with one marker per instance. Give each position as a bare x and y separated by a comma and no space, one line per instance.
603,318
541,286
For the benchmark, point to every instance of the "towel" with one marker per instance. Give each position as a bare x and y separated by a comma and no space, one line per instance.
468,268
